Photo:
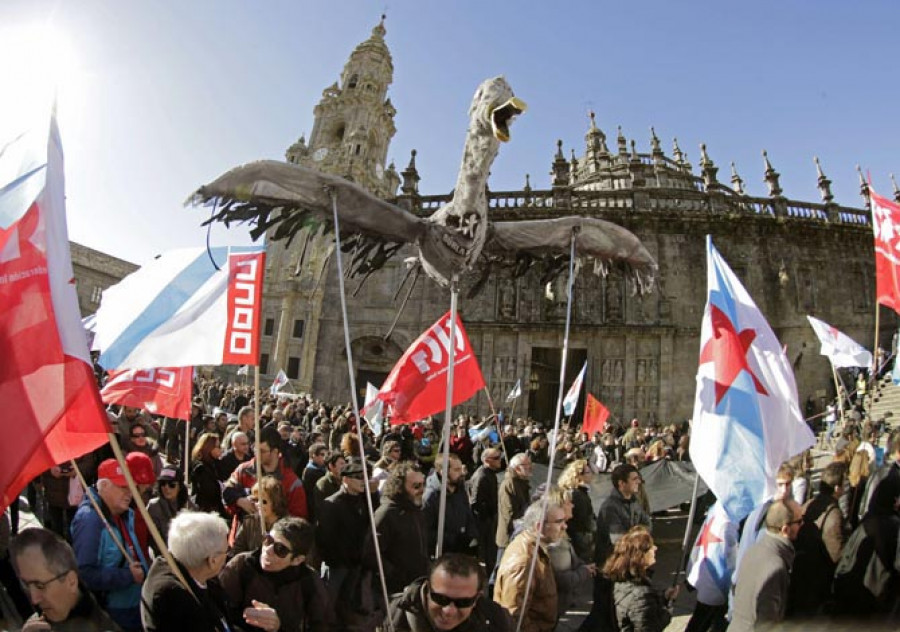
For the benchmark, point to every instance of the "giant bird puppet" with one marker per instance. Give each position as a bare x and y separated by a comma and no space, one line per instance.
459,238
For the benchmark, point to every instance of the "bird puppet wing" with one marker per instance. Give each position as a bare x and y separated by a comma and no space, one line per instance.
595,239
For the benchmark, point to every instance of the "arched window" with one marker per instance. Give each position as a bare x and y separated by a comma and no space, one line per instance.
354,79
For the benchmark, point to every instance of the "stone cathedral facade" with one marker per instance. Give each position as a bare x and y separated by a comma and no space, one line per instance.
795,258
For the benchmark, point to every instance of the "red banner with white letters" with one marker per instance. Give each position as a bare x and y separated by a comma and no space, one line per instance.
245,279
165,391
886,225
417,385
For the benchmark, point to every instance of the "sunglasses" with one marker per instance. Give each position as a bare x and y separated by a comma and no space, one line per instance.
443,600
169,484
277,547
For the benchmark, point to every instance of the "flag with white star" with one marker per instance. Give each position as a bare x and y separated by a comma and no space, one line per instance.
747,419
886,225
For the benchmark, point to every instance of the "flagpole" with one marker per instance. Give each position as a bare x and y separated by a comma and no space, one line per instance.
187,450
448,415
872,377
685,551
837,390
497,422
257,431
558,415
93,501
355,400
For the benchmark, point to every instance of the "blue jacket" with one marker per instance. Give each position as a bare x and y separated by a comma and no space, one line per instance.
101,565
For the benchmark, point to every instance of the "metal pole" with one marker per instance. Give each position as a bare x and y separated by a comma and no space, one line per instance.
448,415
562,380
687,531
187,450
355,399
256,429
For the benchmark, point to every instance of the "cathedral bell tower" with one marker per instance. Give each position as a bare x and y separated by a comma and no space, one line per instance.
354,121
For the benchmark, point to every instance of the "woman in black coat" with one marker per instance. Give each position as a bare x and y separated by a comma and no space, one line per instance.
206,489
639,607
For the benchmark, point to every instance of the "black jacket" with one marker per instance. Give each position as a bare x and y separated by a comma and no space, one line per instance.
640,608
343,519
403,541
459,521
407,612
166,605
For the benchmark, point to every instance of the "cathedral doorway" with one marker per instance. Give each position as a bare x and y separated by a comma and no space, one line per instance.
543,383
363,376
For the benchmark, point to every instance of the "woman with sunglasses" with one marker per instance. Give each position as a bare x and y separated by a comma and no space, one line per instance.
272,588
169,498
272,505
140,441
639,606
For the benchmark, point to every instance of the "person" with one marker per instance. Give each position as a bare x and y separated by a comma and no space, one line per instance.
867,577
400,524
618,513
639,607
390,455
450,598
238,453
46,567
198,543
206,489
569,570
460,528
63,492
343,518
582,526
245,423
235,494
171,498
513,498
818,546
539,610
314,470
484,500
101,565
331,482
273,506
763,579
272,588
141,442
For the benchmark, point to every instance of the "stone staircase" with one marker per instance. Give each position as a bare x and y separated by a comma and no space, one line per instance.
886,404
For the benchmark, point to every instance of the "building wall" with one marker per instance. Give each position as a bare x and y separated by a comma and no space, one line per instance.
94,272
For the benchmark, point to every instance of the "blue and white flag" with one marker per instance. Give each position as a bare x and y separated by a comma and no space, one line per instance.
747,420
280,381
571,400
713,557
516,391
179,310
841,349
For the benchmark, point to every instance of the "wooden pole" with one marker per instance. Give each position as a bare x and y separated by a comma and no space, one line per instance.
497,423
106,525
872,376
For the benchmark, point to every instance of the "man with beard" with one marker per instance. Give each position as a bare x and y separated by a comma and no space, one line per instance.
400,524
460,529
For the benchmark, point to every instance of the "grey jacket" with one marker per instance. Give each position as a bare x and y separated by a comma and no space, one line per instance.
615,517
761,589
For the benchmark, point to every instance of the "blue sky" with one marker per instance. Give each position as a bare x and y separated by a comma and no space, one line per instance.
161,97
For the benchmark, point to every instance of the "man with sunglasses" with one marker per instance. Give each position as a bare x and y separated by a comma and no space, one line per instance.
449,599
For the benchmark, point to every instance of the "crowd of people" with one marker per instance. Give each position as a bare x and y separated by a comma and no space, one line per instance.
296,549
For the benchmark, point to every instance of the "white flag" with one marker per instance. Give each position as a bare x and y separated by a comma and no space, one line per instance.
840,348
280,380
244,370
516,392
571,400
375,414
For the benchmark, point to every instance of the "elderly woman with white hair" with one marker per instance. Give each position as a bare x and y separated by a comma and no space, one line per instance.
199,543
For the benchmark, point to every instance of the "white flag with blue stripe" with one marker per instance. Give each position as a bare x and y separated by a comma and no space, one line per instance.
179,310
571,400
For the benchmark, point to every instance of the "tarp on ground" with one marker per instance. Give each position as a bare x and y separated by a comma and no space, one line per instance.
668,483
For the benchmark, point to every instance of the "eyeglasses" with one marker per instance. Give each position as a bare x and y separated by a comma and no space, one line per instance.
41,586
169,484
277,547
443,600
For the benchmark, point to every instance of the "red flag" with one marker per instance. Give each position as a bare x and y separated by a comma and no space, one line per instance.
161,391
886,225
417,385
51,405
595,416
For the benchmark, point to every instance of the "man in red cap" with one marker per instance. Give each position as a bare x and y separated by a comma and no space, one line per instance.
141,467
101,565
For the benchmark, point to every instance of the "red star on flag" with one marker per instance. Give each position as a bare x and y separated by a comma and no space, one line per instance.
707,537
728,348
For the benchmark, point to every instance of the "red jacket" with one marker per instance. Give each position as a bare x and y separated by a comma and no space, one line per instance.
243,478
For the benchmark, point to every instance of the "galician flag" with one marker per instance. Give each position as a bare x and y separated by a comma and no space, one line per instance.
280,381
713,557
179,310
747,420
571,400
516,391
841,349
